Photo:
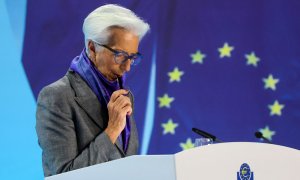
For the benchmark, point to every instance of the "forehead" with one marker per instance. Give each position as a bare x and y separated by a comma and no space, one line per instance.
124,40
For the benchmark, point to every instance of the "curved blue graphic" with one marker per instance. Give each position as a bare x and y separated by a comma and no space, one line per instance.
150,111
20,155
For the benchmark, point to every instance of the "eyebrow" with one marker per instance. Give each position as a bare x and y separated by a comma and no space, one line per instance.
126,51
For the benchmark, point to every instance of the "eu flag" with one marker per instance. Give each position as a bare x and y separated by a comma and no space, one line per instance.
228,67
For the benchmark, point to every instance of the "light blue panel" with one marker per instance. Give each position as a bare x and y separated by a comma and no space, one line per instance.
150,111
20,155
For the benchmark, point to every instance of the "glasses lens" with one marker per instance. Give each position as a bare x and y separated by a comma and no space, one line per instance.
120,57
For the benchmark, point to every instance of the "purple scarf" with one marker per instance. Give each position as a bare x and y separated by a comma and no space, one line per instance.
83,66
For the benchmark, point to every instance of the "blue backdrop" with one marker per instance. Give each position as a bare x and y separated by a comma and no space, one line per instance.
228,67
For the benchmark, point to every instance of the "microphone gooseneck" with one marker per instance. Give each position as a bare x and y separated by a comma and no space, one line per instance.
205,134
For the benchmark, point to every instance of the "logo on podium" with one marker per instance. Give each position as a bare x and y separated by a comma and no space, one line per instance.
245,173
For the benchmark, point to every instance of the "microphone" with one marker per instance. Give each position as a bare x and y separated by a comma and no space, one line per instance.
259,135
206,135
120,80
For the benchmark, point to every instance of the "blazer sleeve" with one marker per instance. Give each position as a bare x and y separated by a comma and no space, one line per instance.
57,136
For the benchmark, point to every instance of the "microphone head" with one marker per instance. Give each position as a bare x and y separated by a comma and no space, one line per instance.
258,134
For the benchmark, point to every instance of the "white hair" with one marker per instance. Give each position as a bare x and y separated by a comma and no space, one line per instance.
96,25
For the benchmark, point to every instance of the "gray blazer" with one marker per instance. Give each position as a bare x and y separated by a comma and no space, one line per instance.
70,124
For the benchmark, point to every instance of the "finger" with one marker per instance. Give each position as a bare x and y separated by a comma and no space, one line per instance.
128,110
122,101
116,94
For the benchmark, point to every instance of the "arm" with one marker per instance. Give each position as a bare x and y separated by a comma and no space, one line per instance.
57,136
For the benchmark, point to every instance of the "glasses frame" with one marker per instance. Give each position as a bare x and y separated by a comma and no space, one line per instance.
132,57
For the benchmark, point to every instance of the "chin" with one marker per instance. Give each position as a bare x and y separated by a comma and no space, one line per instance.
119,75
115,77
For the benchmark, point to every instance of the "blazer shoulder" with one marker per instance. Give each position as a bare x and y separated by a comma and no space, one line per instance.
59,87
58,93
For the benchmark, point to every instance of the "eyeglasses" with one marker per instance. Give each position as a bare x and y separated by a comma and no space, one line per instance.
121,57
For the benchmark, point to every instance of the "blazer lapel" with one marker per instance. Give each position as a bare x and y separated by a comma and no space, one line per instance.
87,100
119,146
132,144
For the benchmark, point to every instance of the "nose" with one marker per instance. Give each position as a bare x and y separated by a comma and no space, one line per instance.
127,65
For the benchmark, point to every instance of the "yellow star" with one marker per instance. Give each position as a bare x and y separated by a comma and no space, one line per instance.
225,50
165,101
198,57
252,59
276,108
175,75
169,127
270,82
267,133
187,145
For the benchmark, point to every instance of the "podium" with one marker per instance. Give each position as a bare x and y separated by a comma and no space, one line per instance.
228,161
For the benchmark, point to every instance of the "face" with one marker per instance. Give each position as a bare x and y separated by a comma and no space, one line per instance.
104,58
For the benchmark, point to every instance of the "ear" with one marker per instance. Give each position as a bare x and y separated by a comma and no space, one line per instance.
92,51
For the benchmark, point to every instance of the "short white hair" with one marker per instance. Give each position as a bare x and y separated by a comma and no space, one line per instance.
96,25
